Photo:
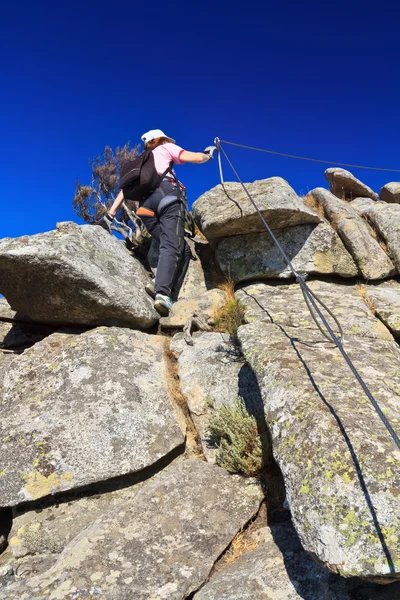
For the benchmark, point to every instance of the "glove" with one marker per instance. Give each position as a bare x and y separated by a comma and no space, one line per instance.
105,222
210,151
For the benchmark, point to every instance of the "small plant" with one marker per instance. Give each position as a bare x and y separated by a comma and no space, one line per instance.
240,445
231,315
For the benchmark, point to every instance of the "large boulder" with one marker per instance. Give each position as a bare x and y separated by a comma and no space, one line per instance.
385,218
161,544
342,183
356,235
81,275
391,192
311,249
219,216
279,569
212,374
284,304
75,410
339,462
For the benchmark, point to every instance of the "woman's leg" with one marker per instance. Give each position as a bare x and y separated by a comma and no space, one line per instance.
181,271
172,241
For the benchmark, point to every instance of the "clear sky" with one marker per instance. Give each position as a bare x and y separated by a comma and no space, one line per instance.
310,78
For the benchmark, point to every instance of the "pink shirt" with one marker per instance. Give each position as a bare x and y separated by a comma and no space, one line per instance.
165,154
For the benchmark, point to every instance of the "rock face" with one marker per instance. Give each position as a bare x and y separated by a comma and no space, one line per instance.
339,462
284,304
201,276
356,235
17,334
280,570
343,183
212,375
386,220
391,192
205,306
385,300
80,275
49,531
160,544
219,216
311,248
362,204
82,409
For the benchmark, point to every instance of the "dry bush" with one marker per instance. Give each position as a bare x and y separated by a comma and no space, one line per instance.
241,544
361,290
231,315
92,201
313,203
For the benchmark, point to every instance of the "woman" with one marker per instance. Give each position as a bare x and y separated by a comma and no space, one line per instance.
163,215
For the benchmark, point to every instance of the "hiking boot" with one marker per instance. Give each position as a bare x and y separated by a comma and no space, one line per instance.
150,288
163,304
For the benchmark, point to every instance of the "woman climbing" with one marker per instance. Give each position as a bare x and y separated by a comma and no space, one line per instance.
163,215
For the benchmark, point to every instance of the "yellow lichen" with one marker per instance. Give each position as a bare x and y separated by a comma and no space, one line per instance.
38,485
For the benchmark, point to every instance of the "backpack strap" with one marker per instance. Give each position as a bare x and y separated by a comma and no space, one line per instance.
171,170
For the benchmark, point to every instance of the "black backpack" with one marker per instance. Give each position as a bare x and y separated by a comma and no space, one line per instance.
139,178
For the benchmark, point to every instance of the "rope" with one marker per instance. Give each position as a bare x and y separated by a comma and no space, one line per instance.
312,299
317,160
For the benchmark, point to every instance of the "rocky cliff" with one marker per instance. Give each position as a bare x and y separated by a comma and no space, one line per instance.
223,453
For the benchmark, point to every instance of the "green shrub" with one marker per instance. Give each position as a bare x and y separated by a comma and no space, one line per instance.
239,442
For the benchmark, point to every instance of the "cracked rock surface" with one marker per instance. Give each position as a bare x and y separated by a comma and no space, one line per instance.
160,544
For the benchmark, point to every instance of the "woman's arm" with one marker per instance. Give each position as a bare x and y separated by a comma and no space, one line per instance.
117,203
196,158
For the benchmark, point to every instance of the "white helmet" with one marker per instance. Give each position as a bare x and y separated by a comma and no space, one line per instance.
153,134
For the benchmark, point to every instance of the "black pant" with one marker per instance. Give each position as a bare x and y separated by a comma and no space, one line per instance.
169,248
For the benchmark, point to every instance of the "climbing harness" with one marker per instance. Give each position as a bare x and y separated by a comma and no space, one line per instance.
310,298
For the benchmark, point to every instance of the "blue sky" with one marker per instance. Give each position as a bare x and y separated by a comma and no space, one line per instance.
309,78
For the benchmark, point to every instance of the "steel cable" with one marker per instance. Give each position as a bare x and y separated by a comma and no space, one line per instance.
311,299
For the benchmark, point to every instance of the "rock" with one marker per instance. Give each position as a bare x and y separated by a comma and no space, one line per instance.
205,305
385,299
19,334
200,276
161,544
356,235
18,569
391,192
50,530
339,462
311,248
386,220
219,216
212,375
82,409
284,304
81,275
343,183
280,569
362,204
